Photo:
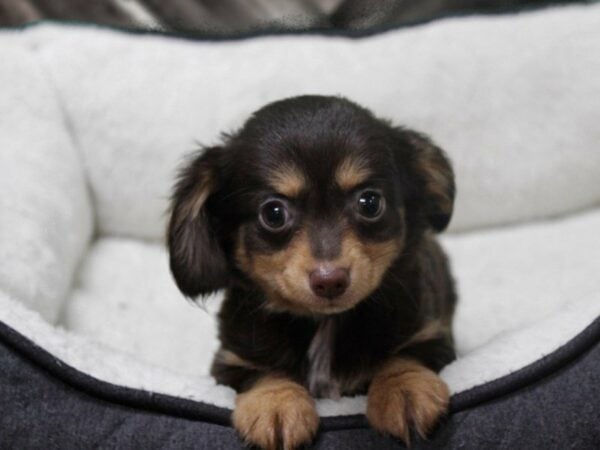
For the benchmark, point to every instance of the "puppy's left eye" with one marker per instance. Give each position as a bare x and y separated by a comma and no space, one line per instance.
370,204
274,215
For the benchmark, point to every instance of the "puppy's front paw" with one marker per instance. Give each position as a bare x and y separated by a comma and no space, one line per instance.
406,394
276,413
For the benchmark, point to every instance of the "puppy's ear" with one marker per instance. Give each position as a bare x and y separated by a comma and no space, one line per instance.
434,176
197,259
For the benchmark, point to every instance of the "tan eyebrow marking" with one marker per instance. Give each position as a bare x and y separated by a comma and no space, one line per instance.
351,172
288,180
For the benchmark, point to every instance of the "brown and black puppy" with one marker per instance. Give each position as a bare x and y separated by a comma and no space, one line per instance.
319,220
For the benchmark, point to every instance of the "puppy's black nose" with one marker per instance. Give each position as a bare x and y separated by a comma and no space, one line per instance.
329,282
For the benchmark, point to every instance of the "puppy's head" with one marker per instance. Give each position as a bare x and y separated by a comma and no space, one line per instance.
311,201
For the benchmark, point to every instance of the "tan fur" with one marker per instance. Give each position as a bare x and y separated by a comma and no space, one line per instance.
275,413
230,358
284,275
437,179
191,208
288,181
404,394
431,330
351,172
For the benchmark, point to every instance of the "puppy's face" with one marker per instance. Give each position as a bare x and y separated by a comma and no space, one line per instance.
312,201
327,225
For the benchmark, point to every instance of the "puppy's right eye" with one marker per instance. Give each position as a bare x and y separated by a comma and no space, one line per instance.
370,204
273,215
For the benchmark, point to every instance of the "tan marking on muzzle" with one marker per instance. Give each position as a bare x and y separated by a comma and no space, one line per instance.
284,275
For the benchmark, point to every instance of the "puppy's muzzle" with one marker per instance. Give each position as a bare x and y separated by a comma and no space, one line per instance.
329,281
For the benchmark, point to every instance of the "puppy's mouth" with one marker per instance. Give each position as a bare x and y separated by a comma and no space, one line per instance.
326,289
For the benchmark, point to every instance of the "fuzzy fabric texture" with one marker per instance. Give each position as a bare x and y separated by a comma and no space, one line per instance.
45,210
513,100
95,122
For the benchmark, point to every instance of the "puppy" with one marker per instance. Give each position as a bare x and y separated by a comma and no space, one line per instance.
319,220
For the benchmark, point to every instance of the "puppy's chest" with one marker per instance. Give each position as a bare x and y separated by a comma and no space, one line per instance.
325,378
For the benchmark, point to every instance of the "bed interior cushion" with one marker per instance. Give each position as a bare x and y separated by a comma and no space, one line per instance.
511,98
45,212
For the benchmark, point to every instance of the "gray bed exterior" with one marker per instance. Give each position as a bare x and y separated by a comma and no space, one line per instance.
45,404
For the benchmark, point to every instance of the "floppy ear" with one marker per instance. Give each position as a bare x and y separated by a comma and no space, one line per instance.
197,259
434,175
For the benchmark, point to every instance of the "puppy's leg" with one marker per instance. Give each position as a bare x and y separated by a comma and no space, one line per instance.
275,412
403,394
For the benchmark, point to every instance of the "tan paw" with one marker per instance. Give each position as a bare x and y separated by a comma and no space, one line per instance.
276,413
405,394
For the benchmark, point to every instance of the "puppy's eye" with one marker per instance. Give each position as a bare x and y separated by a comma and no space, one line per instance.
273,215
370,204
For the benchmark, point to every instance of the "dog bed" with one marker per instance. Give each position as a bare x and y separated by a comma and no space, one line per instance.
97,346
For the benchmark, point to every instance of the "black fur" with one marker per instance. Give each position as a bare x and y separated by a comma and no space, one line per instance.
315,134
